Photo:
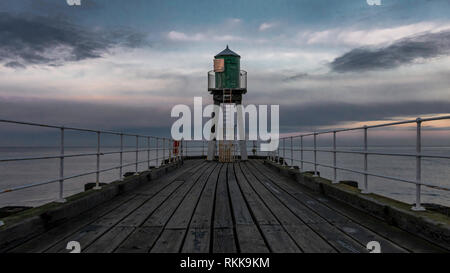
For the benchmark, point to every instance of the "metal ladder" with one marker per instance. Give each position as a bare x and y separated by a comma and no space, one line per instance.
226,147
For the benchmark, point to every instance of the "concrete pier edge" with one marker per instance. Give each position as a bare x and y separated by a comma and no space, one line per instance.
23,226
430,225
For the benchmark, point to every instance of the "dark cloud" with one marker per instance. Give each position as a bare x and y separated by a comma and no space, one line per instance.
401,52
27,40
297,77
15,65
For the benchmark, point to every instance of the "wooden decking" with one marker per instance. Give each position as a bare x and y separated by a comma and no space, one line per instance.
213,207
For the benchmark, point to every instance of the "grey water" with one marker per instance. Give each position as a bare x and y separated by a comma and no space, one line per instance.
13,174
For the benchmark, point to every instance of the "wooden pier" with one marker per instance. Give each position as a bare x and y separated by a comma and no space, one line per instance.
211,207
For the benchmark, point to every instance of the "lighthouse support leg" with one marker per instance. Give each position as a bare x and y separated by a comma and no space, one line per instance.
241,132
212,143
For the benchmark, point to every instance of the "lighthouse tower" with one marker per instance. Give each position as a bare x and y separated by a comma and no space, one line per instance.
227,83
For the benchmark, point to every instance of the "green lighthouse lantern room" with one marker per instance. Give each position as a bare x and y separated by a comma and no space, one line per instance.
229,78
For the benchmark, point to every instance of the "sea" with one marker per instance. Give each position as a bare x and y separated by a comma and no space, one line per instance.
15,174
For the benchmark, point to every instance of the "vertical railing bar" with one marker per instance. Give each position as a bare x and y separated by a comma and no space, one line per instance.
61,169
148,152
301,152
137,154
170,144
418,206
164,152
278,153
121,157
157,152
284,151
315,154
292,154
366,181
334,159
97,173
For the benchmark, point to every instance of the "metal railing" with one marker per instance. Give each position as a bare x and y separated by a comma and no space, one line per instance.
214,82
162,146
290,160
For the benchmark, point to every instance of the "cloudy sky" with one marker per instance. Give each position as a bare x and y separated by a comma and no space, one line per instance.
124,64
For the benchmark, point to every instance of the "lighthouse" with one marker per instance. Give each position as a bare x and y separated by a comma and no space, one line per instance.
227,83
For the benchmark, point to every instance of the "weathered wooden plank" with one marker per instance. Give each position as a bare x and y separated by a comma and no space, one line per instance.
265,185
333,236
260,212
248,236
89,233
169,242
278,239
180,174
162,214
304,236
140,203
198,235
344,224
394,234
203,213
53,236
48,239
308,240
250,239
399,237
141,213
183,214
197,240
140,241
341,241
283,214
240,210
110,241
274,234
58,234
222,211
224,241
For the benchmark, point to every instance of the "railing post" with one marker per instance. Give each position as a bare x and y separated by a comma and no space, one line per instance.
137,154
284,150
97,173
292,155
121,157
203,148
278,153
334,159
170,143
148,152
301,153
315,154
418,206
164,151
157,152
366,178
61,169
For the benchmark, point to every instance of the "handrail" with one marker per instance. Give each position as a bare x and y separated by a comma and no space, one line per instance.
160,144
418,155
